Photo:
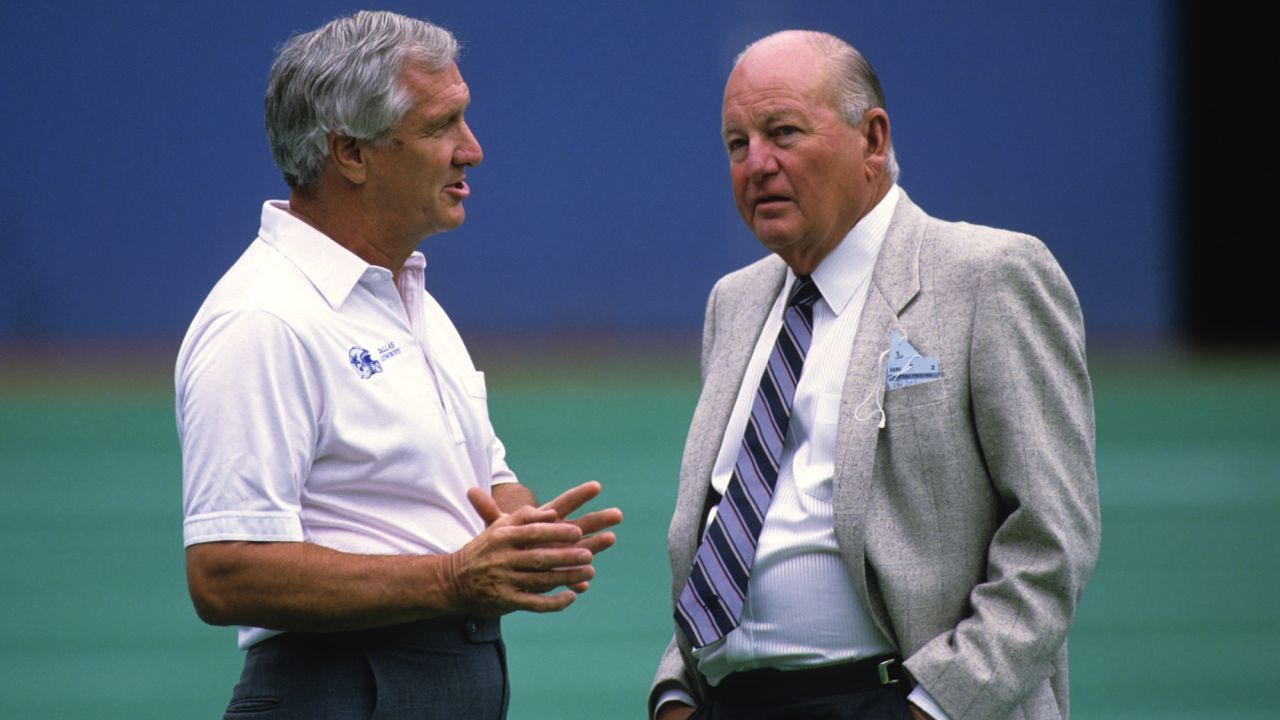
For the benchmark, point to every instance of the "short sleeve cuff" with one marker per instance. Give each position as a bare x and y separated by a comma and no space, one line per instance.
251,526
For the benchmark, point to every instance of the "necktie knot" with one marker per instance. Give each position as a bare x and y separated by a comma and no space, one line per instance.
804,292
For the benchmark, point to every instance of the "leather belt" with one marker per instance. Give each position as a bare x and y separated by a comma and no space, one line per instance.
771,687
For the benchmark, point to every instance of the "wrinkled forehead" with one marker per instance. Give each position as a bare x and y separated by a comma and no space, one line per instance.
765,107
762,88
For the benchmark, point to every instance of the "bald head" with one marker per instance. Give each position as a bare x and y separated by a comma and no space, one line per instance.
850,84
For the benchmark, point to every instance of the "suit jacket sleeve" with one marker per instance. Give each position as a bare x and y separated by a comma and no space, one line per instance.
1033,417
674,670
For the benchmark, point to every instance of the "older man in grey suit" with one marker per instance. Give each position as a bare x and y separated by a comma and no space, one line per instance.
888,502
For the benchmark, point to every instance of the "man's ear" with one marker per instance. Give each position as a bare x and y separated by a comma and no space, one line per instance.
349,157
875,131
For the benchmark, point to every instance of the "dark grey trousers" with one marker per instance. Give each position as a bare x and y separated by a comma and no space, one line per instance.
440,668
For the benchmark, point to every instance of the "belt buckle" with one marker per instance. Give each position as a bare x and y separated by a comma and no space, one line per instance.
883,669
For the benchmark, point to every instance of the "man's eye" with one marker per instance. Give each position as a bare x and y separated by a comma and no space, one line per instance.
736,147
785,131
443,126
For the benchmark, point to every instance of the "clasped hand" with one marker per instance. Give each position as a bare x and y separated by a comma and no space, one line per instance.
525,554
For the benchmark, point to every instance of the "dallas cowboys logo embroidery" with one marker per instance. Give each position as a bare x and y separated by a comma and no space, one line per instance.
364,364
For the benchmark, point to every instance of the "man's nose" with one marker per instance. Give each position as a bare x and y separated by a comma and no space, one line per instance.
469,152
760,162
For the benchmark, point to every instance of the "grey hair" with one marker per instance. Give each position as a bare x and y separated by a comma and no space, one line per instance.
857,89
345,77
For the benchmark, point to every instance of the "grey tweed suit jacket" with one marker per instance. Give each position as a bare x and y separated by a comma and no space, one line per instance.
969,522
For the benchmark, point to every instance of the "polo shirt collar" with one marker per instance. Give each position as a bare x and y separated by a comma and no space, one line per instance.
331,268
842,272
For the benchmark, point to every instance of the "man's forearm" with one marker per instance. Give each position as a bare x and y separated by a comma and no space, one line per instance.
308,588
510,565
512,496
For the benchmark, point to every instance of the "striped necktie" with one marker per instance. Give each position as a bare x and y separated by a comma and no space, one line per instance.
710,605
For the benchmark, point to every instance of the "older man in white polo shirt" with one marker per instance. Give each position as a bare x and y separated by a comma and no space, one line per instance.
346,500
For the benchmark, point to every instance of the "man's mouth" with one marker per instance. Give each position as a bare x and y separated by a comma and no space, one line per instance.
766,200
459,189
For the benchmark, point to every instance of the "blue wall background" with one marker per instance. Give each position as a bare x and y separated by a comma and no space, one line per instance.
136,162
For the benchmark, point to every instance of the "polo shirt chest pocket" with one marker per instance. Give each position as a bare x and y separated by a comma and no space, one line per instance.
475,416
464,402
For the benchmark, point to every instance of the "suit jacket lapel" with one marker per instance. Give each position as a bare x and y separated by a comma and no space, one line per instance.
895,281
739,318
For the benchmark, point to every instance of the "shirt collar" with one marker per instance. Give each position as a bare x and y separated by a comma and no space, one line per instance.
850,263
331,268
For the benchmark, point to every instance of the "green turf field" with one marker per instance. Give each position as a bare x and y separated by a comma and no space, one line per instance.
1182,619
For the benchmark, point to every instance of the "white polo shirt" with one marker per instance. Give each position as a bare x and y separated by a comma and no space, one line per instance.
319,402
